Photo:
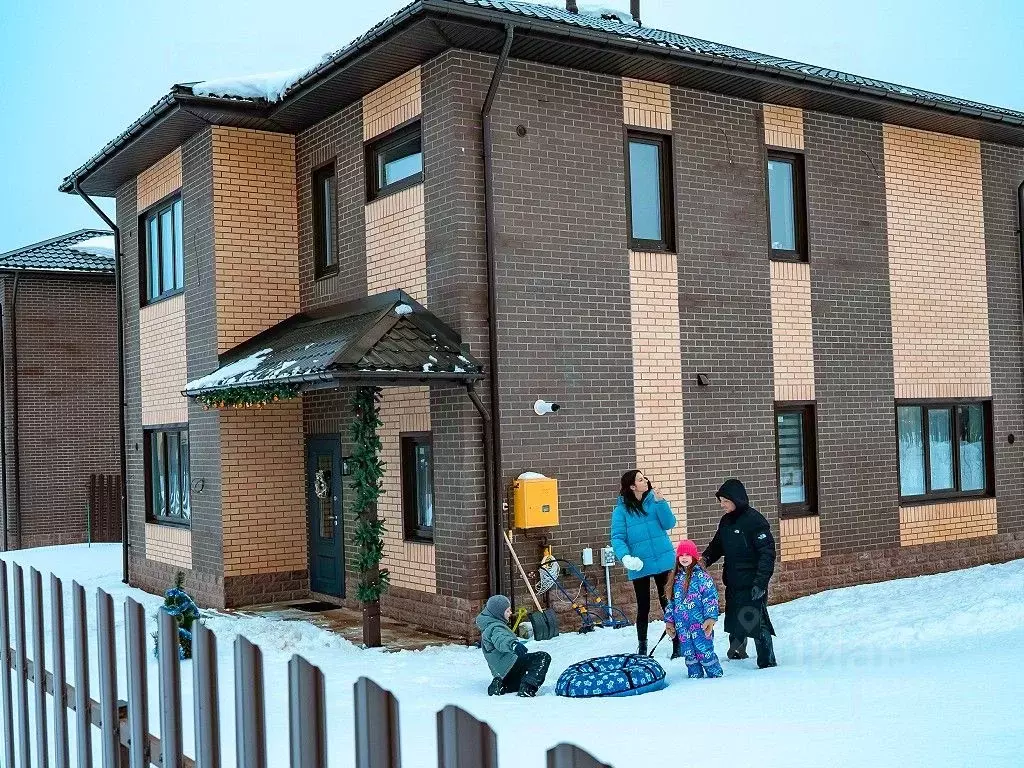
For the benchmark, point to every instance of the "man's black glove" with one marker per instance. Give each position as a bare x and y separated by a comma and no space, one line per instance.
756,594
520,650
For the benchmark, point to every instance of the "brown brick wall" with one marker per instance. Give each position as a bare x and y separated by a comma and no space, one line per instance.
937,263
163,362
67,402
255,234
263,501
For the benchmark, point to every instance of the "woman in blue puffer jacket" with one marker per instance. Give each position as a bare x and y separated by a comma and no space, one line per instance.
640,525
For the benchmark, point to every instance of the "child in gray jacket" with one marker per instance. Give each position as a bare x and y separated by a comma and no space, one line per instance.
513,668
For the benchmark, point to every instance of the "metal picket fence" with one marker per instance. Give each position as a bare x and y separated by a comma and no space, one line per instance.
122,726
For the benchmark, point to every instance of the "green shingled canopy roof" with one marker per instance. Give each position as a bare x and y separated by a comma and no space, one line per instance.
58,254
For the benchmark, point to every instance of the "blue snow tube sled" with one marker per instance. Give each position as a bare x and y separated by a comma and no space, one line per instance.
626,674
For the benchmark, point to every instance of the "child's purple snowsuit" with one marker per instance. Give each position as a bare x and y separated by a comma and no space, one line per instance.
687,613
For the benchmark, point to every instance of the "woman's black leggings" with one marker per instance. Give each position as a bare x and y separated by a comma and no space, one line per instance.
642,587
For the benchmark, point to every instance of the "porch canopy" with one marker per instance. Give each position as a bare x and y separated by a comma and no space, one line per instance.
383,340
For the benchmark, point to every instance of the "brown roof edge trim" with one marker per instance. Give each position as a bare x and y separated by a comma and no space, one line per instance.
561,31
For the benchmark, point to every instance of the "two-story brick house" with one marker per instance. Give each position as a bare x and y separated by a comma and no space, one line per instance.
719,263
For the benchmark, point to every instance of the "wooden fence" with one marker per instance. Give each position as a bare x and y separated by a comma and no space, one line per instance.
103,515
120,728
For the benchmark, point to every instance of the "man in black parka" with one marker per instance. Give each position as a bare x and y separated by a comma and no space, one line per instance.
744,538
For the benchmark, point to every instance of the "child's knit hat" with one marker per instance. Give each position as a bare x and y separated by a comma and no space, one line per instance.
687,547
496,606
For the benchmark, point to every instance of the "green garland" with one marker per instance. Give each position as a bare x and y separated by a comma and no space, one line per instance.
367,471
255,396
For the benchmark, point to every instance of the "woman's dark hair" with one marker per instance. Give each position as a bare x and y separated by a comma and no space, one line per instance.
633,505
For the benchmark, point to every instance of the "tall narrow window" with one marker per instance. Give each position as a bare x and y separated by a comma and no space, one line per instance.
418,486
651,207
787,217
163,255
394,161
325,257
167,475
944,450
796,459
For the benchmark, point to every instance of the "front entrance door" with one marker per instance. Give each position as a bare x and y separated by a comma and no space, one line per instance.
324,484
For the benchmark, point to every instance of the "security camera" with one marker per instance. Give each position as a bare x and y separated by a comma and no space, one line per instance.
542,407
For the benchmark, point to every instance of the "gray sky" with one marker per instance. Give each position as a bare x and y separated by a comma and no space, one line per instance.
73,75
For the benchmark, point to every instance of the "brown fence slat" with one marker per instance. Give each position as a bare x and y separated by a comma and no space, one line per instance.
109,720
170,692
307,714
80,625
138,689
376,726
463,741
39,659
21,671
6,662
250,710
206,697
571,756
61,753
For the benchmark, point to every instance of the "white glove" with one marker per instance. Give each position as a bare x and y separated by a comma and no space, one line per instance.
632,563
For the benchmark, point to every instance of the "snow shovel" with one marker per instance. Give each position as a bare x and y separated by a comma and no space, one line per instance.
545,624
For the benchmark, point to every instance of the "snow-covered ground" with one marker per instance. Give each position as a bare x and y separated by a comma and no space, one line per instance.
917,672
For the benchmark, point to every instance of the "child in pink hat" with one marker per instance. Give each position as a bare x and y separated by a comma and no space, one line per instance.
692,612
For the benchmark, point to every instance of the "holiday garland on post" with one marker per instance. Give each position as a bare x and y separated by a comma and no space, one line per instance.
180,605
248,397
367,470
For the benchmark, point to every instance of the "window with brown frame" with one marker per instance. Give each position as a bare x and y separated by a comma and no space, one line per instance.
394,161
418,486
945,450
167,475
796,459
325,256
162,258
787,207
650,208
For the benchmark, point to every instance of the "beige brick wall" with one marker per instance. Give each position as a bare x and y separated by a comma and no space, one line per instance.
800,538
263,489
657,376
169,544
404,409
792,340
162,362
646,104
255,232
392,104
937,269
158,181
947,522
783,127
396,253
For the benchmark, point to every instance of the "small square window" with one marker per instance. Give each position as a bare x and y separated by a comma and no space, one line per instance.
325,250
394,161
168,498
787,210
651,209
418,486
796,454
944,450
162,256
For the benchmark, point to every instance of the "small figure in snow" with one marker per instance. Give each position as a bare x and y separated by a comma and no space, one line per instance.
641,521
513,668
692,612
744,538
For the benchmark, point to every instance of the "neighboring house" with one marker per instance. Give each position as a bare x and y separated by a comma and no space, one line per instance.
719,263
59,462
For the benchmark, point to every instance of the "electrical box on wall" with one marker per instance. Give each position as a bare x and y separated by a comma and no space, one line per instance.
535,502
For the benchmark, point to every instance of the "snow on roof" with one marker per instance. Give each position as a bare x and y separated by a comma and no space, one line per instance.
96,246
271,86
623,16
233,373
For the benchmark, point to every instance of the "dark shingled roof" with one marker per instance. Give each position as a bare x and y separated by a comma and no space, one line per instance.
383,339
57,255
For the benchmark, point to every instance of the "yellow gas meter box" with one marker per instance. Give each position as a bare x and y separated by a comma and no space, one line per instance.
535,502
